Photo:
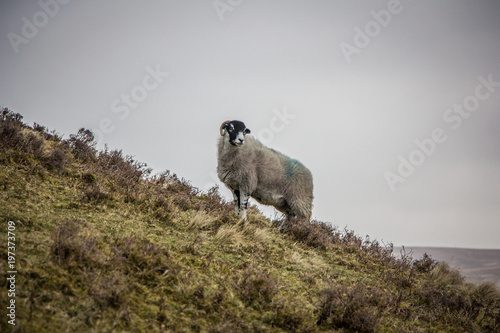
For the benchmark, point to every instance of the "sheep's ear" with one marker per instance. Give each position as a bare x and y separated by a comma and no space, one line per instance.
247,131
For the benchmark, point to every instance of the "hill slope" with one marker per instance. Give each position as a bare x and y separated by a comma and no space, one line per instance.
101,245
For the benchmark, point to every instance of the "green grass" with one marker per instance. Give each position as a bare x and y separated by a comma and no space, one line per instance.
101,245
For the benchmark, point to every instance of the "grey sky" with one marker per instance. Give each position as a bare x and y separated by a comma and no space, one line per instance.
351,118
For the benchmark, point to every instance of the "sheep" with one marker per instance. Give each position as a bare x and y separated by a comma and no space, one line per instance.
250,169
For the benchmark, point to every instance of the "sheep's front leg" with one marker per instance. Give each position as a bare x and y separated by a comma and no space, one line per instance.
241,203
236,196
244,197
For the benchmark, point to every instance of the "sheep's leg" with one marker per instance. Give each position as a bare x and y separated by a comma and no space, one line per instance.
236,196
244,204
290,217
286,223
241,203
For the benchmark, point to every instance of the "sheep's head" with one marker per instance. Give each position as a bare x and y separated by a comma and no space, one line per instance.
236,131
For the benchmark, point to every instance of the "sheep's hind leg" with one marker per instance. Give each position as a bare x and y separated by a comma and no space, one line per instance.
283,226
286,223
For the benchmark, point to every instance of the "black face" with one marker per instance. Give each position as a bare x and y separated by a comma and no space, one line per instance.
237,131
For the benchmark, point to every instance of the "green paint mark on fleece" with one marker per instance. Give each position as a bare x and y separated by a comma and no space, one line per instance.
291,165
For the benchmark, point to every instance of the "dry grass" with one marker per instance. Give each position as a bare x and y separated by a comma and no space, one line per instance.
262,236
230,234
201,220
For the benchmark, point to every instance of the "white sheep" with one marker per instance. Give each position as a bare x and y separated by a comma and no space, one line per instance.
250,169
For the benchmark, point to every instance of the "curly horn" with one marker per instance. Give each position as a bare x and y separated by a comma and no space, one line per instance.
222,130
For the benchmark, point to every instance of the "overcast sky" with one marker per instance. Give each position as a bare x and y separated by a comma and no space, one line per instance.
393,106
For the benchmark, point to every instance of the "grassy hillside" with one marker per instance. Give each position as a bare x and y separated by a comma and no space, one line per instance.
102,245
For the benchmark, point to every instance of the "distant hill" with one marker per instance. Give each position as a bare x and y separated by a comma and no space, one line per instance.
98,244
477,266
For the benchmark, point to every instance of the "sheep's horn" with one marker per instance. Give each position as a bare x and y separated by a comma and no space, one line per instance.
222,130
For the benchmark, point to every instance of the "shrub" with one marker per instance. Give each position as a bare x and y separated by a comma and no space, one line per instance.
52,135
71,248
33,144
123,168
146,260
425,264
213,203
443,276
95,193
107,291
315,234
10,135
56,160
82,145
7,116
62,246
11,127
39,128
446,291
257,287
355,309
89,178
